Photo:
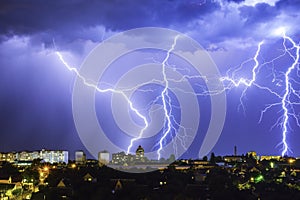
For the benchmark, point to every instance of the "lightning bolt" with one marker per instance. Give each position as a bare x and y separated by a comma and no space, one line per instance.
285,102
233,82
243,81
166,98
111,90
230,81
288,90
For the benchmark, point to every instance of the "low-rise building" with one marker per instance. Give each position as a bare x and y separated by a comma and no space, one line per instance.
230,159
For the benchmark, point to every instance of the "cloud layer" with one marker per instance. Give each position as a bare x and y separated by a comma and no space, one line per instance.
215,21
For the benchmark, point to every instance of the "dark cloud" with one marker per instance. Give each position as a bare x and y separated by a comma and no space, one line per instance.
261,12
288,4
35,102
68,19
236,1
72,21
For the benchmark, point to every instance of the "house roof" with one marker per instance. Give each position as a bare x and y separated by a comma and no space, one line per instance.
61,183
87,175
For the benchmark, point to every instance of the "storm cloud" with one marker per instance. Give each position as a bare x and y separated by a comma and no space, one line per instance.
36,90
67,21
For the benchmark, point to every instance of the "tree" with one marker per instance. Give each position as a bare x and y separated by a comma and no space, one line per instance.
219,159
17,192
8,169
36,162
171,158
212,158
31,175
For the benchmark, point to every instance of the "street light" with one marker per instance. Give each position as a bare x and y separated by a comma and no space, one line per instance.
272,165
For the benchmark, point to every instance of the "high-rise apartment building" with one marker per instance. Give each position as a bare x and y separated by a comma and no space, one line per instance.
103,157
80,157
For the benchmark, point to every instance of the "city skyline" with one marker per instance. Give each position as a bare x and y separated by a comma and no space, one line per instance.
80,155
247,176
36,87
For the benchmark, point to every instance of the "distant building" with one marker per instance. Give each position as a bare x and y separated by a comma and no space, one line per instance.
253,154
201,164
139,153
92,163
230,159
235,150
80,157
119,158
27,156
103,157
36,155
270,158
50,156
89,178
23,156
8,157
122,158
56,156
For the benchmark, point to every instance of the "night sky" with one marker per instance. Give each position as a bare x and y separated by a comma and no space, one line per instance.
36,88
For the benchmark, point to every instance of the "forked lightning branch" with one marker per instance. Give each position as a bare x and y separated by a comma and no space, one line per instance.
286,101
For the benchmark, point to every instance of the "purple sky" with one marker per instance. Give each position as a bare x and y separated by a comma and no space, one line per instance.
36,89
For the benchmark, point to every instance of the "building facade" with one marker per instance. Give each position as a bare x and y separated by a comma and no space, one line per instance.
50,156
80,157
139,154
103,157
